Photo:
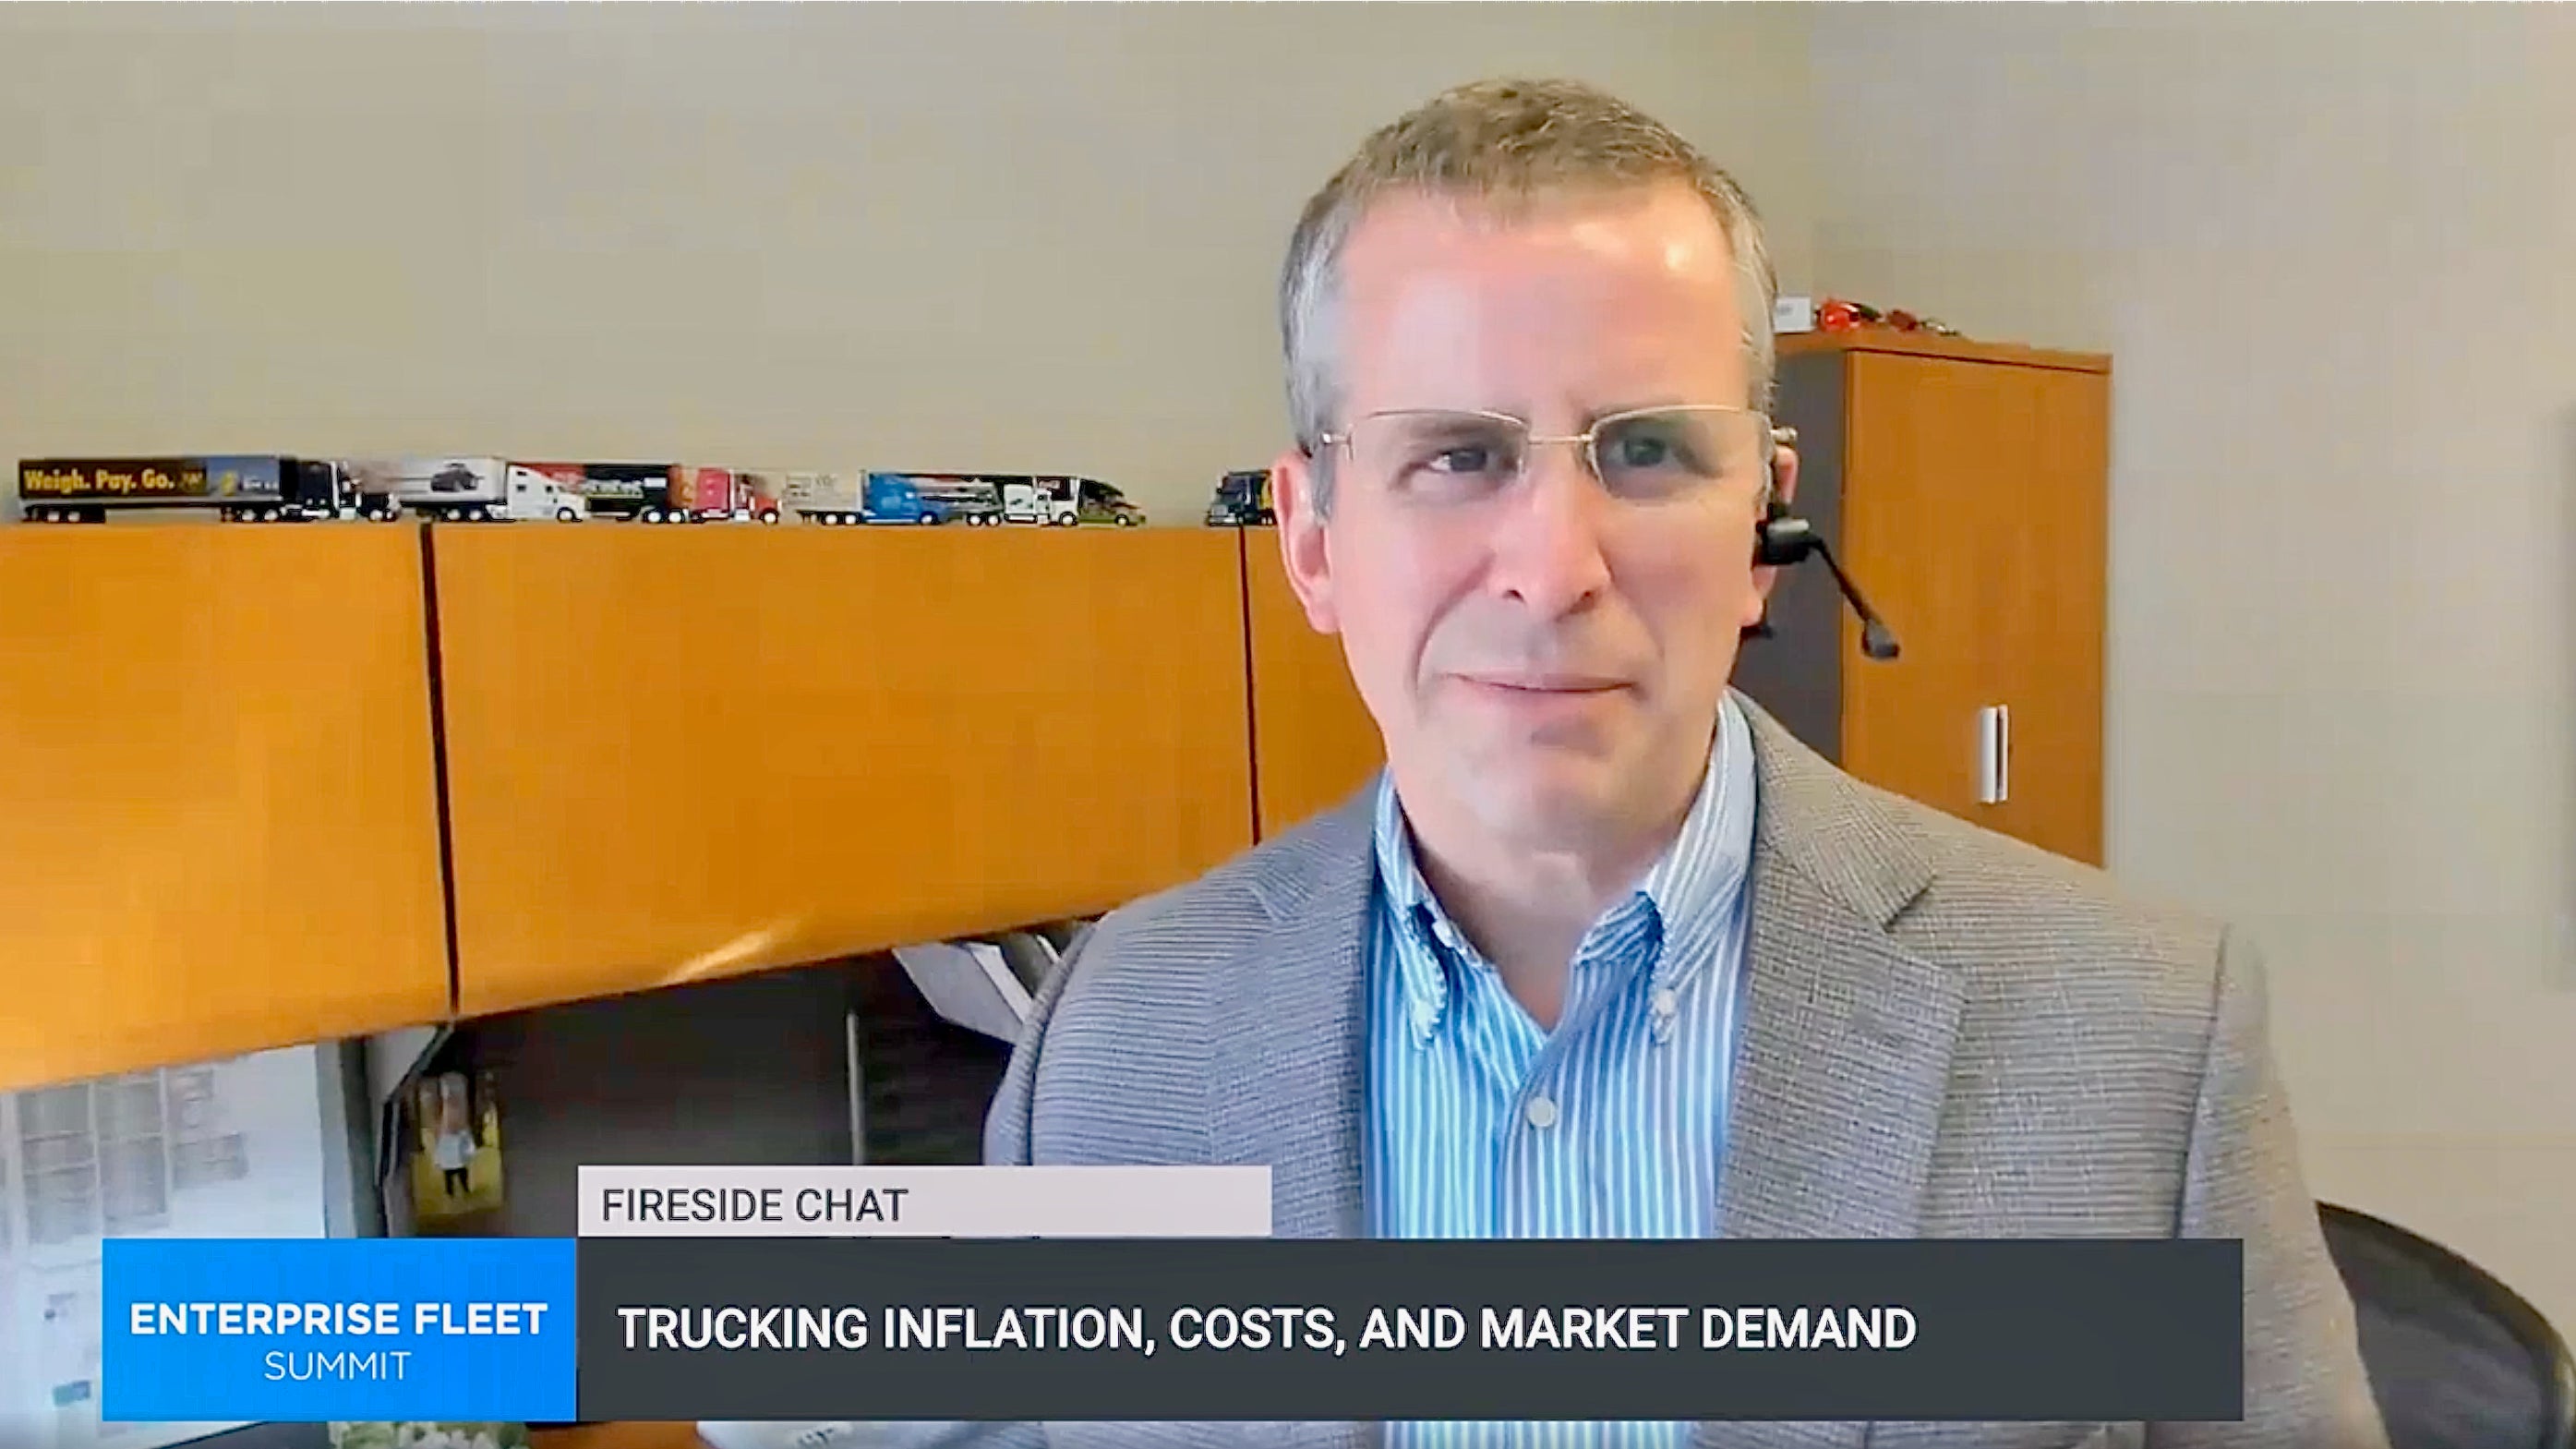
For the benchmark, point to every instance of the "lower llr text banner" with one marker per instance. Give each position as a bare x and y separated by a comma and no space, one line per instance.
1269,1329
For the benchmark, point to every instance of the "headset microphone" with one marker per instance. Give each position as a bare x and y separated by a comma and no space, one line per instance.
1784,540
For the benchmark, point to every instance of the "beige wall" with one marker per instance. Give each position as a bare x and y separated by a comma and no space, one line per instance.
2334,254
1021,237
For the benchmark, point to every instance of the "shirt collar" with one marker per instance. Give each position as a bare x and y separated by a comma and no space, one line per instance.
1689,894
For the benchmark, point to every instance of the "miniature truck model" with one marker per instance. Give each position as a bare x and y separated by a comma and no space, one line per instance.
251,488
1242,498
546,490
831,499
459,490
631,491
823,496
1061,501
956,497
1030,500
924,498
1101,503
347,489
721,495
292,490
844,500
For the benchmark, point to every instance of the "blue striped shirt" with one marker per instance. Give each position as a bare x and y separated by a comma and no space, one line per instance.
1482,1125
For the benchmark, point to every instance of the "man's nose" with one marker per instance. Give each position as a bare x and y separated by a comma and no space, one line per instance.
1548,546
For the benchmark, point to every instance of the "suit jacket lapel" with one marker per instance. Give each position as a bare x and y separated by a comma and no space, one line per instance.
1290,1056
1839,1081
1845,1055
1289,1048
1843,1064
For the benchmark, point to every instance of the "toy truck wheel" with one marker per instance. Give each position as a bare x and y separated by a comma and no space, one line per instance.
769,515
930,518
566,515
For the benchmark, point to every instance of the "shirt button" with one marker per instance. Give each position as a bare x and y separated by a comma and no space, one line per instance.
1664,1001
1541,1113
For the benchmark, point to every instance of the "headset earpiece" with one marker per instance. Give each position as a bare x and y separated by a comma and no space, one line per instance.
1782,539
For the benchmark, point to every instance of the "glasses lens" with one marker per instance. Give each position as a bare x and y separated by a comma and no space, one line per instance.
1678,450
1436,455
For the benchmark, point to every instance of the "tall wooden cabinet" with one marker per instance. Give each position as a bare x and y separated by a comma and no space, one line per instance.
1963,485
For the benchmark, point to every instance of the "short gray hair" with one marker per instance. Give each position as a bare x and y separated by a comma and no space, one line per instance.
1508,142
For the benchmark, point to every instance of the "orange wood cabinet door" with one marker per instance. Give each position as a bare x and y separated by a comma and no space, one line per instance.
217,798
1921,436
1314,742
676,753
2047,614
1975,514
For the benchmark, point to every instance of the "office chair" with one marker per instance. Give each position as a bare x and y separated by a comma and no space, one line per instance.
2456,1359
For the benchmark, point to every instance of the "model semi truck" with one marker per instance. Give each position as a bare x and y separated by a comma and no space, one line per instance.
470,490
724,495
849,499
1062,501
242,488
1242,498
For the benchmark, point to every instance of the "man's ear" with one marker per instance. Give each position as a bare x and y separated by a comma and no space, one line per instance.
1782,495
1302,545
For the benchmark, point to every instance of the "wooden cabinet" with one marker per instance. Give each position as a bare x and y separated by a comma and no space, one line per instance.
679,753
1313,741
217,799
1964,486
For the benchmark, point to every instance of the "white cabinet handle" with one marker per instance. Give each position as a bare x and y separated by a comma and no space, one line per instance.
1994,754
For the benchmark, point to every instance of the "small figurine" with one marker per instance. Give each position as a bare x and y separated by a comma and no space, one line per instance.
1839,314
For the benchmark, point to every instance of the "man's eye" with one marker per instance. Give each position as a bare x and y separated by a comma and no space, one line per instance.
1643,452
1468,459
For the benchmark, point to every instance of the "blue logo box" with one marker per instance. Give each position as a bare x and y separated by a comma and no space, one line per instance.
198,1330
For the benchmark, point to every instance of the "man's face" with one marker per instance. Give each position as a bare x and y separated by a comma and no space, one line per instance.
1544,659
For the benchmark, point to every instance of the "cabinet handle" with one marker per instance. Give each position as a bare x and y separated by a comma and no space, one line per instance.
1994,754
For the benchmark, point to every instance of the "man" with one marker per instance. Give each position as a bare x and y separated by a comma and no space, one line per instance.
1603,922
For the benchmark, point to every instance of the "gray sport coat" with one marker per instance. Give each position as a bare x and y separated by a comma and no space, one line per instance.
1947,1033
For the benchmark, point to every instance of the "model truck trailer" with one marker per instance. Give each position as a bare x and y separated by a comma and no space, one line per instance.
845,500
638,491
247,488
965,498
723,495
1061,501
453,489
1242,497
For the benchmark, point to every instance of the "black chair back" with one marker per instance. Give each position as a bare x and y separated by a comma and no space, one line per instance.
2457,1360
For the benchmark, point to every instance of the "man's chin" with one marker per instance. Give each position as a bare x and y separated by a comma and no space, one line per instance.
1560,806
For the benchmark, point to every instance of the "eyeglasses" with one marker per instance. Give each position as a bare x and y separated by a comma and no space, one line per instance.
1436,456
